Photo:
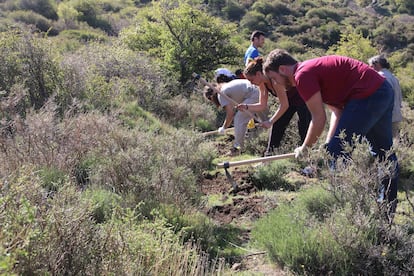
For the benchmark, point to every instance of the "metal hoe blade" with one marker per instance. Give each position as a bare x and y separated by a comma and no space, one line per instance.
230,178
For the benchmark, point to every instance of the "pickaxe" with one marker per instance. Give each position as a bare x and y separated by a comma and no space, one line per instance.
227,165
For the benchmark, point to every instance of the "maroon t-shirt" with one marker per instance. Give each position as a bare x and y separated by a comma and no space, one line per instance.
338,78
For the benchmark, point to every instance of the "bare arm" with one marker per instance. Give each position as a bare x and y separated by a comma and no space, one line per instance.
335,116
229,115
283,105
261,105
283,102
316,127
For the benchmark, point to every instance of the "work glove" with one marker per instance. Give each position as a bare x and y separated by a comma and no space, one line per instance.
221,130
300,152
266,124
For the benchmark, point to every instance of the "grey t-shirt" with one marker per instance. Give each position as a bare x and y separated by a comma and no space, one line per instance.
240,90
396,111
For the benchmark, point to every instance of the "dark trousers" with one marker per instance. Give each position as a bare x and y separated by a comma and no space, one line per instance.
279,127
371,118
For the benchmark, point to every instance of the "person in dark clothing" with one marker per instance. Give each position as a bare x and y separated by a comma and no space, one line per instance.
290,103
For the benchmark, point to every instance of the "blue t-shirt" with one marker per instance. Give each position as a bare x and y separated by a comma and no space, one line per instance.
251,53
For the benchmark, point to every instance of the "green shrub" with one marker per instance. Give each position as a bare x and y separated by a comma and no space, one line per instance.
324,13
83,35
193,226
107,76
353,45
294,241
46,8
31,18
233,10
29,62
254,20
183,112
155,169
20,200
90,12
291,46
203,125
133,116
52,178
150,248
318,202
189,224
103,203
405,77
271,176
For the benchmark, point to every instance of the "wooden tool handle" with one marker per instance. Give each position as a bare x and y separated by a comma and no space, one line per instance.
256,160
207,133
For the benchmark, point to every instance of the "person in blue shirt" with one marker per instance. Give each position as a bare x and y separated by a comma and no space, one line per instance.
257,38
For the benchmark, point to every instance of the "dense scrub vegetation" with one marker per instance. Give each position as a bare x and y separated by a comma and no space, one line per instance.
100,154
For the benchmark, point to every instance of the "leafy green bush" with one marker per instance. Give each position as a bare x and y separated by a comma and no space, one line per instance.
271,176
293,241
52,179
201,46
46,8
405,77
233,10
90,12
318,202
30,62
193,226
254,20
354,45
112,77
291,46
103,203
405,6
133,116
31,18
83,35
184,112
324,13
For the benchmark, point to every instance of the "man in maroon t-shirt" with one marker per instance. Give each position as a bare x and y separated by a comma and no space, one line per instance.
360,99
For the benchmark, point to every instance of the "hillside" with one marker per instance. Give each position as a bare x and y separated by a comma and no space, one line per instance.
105,169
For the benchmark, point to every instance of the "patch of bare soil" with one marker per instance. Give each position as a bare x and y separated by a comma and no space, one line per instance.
246,204
245,207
